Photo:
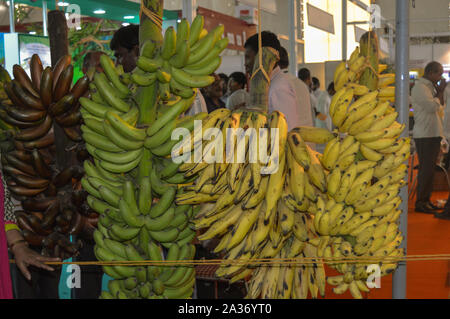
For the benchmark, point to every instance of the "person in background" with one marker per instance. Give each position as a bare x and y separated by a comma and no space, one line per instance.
447,123
428,99
225,79
282,95
305,75
315,87
237,95
213,94
11,238
301,91
446,212
323,106
125,44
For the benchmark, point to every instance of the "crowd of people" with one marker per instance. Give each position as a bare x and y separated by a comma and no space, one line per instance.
299,97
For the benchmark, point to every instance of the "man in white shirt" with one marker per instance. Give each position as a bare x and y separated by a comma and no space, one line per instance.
427,100
301,91
282,95
305,76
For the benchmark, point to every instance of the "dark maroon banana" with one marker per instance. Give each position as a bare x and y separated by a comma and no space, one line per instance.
73,133
64,177
10,170
78,197
43,142
81,87
36,70
51,190
12,95
27,192
59,68
20,124
22,77
20,165
64,83
35,223
35,133
25,115
70,119
23,156
22,221
62,105
32,238
27,98
30,181
50,216
46,87
39,204
77,224
41,168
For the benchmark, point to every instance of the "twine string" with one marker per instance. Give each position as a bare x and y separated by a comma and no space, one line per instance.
261,261
260,67
151,15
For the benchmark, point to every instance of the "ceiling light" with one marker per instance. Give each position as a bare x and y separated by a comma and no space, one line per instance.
129,17
99,11
63,4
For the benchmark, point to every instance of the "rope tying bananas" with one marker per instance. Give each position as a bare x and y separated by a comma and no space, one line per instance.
29,109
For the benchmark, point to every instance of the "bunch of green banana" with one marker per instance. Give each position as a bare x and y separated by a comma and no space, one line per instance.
132,180
184,62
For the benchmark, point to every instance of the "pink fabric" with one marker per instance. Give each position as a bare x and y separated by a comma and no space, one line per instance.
5,277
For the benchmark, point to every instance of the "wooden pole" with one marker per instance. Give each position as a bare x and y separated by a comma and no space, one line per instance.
59,47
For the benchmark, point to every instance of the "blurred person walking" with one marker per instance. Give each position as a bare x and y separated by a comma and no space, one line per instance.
428,99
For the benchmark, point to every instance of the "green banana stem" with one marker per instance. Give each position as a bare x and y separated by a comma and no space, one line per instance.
369,48
149,31
259,84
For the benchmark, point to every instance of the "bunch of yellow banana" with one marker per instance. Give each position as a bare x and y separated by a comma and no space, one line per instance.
343,203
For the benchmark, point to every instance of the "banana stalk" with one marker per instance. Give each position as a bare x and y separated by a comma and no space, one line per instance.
370,50
259,84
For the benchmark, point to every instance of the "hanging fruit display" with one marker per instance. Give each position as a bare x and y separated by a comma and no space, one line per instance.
132,181
51,206
340,204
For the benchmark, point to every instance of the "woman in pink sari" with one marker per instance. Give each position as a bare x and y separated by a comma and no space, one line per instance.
11,237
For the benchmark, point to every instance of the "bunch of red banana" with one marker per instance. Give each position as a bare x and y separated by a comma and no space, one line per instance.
52,208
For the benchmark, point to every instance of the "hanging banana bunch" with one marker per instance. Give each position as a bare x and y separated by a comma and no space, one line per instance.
28,112
131,181
342,203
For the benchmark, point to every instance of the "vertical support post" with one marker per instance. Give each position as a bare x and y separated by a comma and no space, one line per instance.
189,10
402,105
293,36
344,30
44,18
59,47
12,21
